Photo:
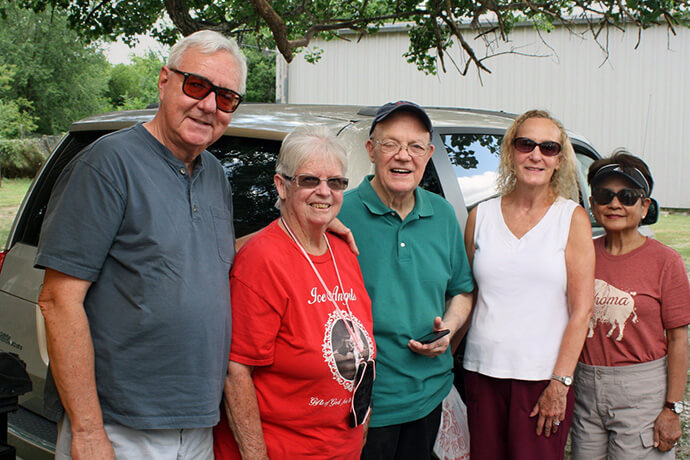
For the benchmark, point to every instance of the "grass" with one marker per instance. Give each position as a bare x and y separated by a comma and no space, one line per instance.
673,229
12,193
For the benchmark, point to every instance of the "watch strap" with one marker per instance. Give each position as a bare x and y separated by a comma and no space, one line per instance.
564,379
675,406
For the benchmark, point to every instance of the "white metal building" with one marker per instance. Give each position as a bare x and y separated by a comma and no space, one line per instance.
638,98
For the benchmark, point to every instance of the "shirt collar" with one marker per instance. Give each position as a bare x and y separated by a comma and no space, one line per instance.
164,152
371,200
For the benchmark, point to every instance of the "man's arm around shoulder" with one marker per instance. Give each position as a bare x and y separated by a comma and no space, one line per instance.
71,354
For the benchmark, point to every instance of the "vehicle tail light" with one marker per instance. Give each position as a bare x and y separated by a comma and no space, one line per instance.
2,258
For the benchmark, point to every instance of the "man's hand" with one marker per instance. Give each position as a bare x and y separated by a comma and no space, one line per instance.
91,445
345,233
435,348
667,430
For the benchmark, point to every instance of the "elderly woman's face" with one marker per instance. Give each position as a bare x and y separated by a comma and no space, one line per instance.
534,168
313,206
615,216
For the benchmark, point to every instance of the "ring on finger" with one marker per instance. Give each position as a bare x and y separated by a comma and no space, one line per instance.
556,423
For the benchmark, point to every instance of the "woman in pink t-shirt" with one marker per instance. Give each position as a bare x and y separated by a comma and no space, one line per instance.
630,381
301,359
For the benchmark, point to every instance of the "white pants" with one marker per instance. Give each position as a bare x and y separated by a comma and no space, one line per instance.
130,444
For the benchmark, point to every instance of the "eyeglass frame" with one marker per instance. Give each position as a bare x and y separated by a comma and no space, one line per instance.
427,147
639,194
296,177
544,147
213,89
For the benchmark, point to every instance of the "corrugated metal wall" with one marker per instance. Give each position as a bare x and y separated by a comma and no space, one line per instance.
639,98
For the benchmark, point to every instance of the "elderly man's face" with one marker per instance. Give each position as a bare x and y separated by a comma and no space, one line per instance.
190,125
400,173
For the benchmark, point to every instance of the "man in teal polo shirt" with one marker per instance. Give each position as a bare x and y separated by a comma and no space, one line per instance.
416,272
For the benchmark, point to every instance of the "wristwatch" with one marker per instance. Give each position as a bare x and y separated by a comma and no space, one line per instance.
676,406
565,380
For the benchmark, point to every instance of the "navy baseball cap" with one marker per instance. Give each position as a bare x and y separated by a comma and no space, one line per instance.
386,109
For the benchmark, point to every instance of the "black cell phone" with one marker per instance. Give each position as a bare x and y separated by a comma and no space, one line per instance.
432,337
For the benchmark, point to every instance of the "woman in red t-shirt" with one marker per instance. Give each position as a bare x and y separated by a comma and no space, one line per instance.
301,359
630,381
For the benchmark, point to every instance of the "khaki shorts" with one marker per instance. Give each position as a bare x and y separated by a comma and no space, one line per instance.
615,410
170,444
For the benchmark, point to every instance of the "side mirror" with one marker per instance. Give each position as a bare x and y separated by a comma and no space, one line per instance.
652,213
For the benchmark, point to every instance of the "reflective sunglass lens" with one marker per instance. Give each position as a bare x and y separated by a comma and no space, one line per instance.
626,196
550,149
334,183
308,181
602,195
227,101
524,145
338,183
196,87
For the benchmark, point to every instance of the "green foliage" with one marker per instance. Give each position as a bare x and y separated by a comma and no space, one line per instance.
57,77
135,85
19,158
289,25
261,75
15,114
15,118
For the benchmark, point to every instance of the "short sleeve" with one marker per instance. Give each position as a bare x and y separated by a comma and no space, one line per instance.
675,293
83,217
461,280
255,325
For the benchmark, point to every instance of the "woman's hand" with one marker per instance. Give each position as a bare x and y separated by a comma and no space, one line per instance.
551,408
667,430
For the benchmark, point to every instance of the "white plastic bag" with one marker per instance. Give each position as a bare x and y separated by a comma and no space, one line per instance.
453,438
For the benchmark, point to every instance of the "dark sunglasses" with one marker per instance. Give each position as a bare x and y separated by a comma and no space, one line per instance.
198,87
361,395
526,145
626,196
308,181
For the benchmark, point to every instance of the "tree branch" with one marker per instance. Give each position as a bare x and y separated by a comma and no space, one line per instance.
277,26
450,21
93,11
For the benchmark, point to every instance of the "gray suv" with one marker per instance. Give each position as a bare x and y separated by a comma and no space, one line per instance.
462,170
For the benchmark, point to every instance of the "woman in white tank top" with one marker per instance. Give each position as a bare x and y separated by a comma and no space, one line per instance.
533,260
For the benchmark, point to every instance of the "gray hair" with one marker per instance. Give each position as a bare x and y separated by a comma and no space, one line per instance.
208,42
303,142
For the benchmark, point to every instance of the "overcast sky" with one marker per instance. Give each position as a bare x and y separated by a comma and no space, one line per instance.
118,52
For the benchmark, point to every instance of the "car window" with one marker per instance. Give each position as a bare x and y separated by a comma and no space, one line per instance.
430,180
583,162
475,159
249,165
29,226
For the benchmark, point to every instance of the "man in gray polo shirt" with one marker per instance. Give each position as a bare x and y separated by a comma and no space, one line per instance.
137,244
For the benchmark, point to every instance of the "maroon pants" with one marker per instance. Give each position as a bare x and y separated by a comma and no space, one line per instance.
500,427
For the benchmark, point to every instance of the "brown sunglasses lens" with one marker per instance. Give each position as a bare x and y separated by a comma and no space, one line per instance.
526,145
199,88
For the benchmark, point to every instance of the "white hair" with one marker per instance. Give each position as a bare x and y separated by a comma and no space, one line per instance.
208,42
304,141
